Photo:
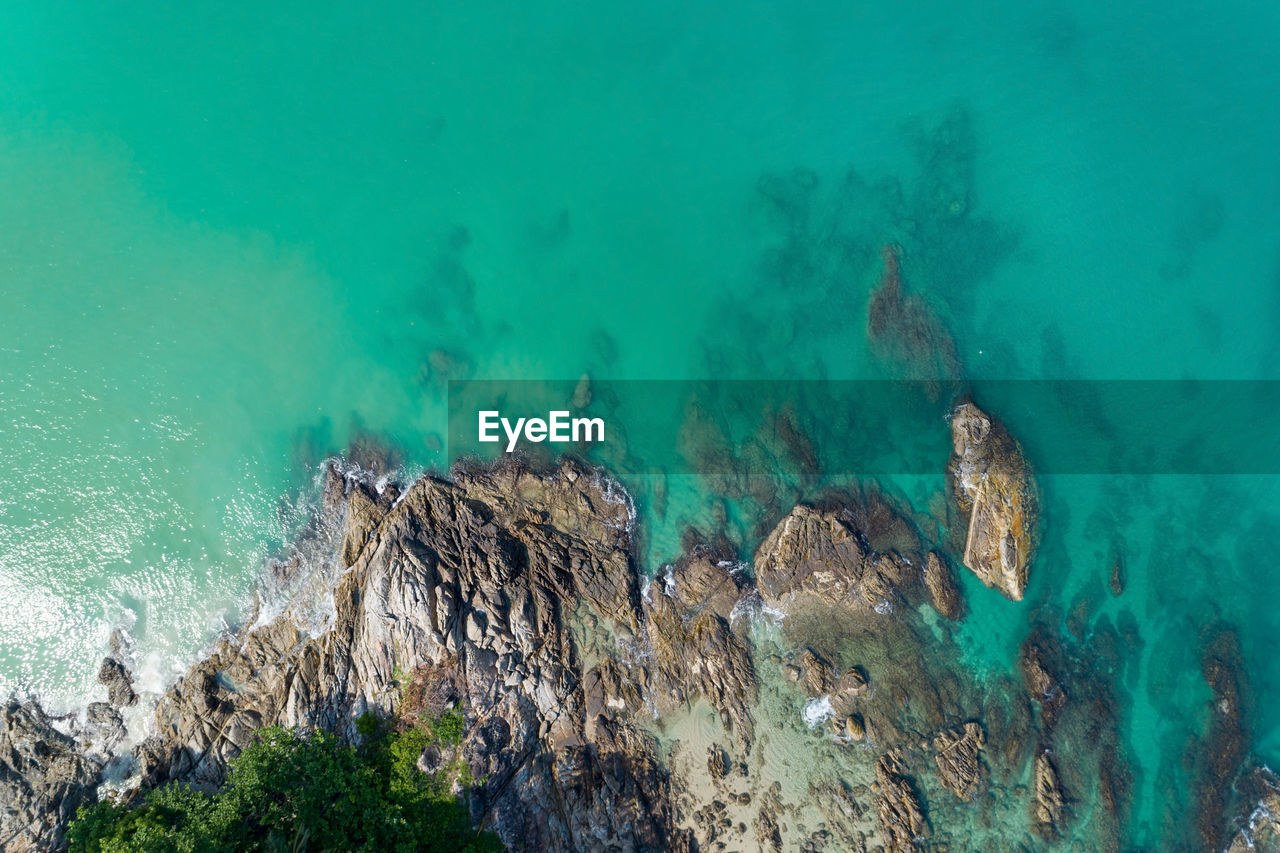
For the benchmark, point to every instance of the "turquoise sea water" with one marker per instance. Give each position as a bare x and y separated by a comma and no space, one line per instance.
232,237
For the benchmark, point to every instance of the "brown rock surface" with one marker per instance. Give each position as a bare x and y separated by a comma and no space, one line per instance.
901,818
815,555
944,593
1047,810
696,651
997,499
1259,821
956,753
817,677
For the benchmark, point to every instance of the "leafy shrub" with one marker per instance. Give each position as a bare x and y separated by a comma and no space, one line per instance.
448,727
293,792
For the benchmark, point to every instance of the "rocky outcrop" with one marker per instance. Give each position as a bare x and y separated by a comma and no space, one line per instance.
1259,822
514,594
956,753
1226,740
815,673
44,777
1047,811
901,819
696,650
485,579
997,500
603,713
119,682
944,593
816,556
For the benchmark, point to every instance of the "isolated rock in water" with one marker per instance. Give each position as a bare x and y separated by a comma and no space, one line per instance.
997,499
1049,802
44,778
119,682
956,753
944,594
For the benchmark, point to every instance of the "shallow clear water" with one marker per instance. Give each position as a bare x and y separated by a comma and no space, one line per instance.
232,239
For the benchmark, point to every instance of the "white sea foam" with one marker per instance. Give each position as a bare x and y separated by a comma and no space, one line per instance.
615,493
752,606
817,711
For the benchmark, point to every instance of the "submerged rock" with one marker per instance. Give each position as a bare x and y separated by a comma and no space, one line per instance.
1038,662
997,500
1116,582
902,327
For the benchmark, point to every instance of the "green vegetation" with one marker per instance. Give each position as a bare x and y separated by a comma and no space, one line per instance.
293,792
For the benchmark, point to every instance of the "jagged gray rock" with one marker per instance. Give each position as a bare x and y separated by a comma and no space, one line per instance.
484,581
44,777
103,729
119,682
